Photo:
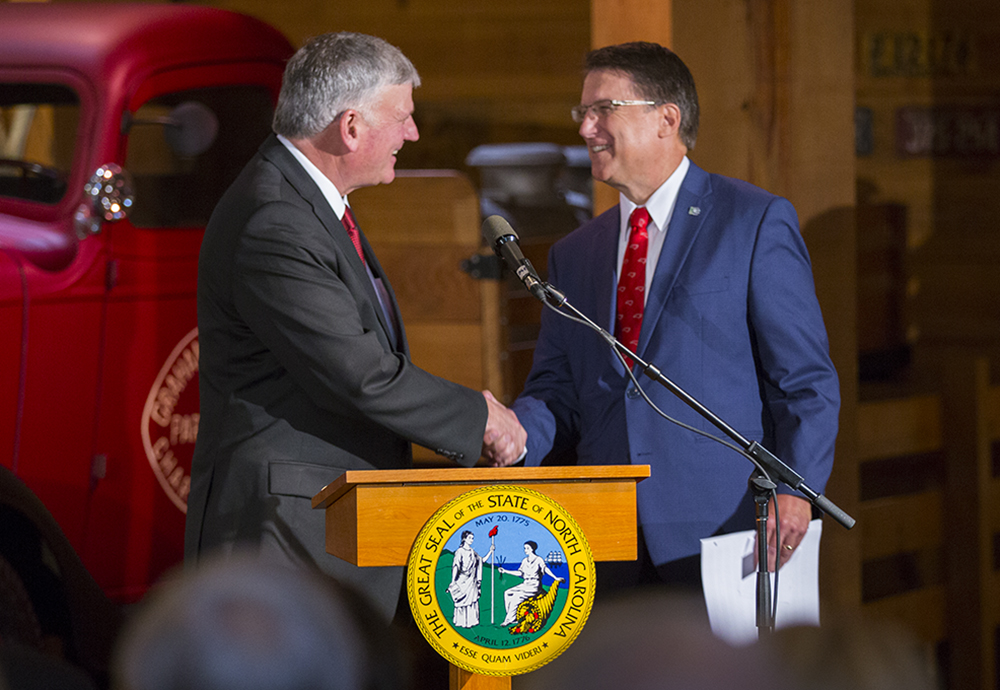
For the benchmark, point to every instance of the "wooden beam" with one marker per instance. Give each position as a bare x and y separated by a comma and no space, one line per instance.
620,21
968,538
899,426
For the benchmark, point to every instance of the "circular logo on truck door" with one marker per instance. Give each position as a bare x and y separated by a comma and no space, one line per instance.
500,580
170,420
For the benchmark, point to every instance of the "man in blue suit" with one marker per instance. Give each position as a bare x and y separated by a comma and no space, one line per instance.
718,289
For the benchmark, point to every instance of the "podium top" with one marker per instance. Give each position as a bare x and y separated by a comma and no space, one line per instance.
480,475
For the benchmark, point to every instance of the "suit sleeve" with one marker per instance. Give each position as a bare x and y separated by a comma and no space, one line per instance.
798,380
297,292
547,407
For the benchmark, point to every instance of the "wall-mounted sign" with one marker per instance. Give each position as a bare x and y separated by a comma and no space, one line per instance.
919,54
948,132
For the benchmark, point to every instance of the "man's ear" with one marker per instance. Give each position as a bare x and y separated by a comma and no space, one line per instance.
350,129
670,120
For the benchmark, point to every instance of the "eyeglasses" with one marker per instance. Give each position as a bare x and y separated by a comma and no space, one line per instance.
602,109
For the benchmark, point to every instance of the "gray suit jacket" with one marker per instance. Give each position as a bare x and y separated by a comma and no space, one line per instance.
298,378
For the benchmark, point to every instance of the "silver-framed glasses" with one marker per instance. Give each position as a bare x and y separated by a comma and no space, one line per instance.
602,108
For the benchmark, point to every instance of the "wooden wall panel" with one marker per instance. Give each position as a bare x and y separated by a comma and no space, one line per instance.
929,545
620,21
935,56
491,71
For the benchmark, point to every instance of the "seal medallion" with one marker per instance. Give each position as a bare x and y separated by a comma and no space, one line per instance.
170,420
500,580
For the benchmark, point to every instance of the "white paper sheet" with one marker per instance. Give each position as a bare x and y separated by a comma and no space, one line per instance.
729,578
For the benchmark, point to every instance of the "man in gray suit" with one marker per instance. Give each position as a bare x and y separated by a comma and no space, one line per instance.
304,369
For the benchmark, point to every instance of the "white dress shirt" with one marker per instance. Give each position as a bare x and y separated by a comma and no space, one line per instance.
661,207
339,205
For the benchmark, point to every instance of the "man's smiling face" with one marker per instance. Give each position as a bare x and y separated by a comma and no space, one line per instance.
625,146
389,125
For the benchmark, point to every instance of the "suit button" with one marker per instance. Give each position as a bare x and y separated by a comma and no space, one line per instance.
633,393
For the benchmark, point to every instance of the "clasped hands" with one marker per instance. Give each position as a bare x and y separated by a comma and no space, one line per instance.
504,440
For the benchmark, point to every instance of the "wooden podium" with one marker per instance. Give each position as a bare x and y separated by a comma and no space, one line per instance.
374,516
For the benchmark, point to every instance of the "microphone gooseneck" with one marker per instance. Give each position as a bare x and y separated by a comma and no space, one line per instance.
505,242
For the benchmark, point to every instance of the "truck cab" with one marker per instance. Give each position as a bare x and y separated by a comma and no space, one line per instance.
120,127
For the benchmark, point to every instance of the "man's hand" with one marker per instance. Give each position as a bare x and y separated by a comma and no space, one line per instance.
795,514
505,438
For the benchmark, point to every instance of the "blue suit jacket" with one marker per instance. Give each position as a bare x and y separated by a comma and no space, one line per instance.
732,318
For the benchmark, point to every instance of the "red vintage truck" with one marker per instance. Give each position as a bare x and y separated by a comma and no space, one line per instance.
120,127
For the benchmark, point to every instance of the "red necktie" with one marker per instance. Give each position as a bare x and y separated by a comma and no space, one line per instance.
352,229
632,283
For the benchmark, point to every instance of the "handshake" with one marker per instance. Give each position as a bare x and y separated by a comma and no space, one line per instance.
505,438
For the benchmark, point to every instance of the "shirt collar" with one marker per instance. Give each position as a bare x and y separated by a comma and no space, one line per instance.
337,201
660,203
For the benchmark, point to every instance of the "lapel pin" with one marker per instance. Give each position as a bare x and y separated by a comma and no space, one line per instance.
694,211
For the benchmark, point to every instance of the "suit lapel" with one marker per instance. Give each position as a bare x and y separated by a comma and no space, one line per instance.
377,271
692,209
274,151
605,274
604,278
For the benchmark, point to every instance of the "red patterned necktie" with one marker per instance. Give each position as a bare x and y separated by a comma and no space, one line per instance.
632,283
352,229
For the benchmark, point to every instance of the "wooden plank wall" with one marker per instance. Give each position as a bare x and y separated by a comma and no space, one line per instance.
928,519
928,156
929,124
492,71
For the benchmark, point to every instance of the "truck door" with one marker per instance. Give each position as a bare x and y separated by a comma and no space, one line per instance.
51,290
148,416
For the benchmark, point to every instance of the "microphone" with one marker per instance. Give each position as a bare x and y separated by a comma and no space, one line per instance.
498,233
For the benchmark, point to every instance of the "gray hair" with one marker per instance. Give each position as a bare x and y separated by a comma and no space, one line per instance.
244,624
332,73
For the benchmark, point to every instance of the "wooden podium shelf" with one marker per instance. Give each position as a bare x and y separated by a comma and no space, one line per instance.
373,516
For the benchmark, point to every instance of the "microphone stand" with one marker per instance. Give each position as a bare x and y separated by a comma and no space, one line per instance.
767,465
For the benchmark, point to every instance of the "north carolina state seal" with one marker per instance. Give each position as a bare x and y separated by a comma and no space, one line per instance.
500,580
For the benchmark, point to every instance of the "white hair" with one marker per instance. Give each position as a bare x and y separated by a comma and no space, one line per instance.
332,73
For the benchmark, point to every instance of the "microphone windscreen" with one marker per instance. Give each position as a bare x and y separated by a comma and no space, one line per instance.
496,227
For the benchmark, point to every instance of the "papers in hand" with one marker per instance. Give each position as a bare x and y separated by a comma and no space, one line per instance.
729,579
